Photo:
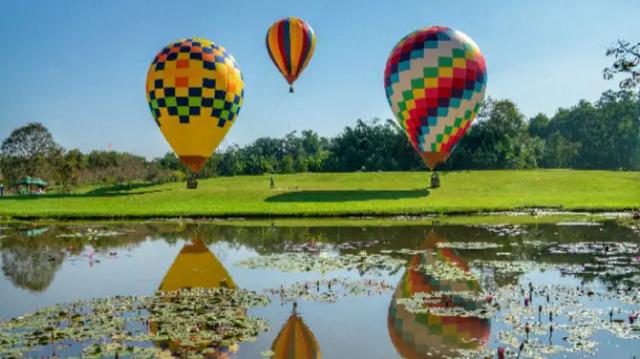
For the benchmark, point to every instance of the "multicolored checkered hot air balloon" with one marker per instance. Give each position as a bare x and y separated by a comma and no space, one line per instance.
290,43
195,90
416,334
435,80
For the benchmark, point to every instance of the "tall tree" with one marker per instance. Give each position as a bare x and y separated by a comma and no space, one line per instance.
68,168
28,152
620,113
538,125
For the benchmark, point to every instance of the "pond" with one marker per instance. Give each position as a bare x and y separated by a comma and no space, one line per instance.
234,290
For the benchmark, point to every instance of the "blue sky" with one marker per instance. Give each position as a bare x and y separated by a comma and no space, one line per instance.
79,66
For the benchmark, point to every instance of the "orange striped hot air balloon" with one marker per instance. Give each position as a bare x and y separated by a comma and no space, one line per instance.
290,43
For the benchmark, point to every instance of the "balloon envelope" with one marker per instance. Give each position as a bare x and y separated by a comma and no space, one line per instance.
435,80
195,90
290,43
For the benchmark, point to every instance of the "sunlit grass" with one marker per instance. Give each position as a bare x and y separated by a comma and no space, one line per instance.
343,194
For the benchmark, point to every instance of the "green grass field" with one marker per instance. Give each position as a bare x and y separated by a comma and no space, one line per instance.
342,194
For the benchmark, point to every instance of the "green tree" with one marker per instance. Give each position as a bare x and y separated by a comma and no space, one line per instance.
287,164
607,134
559,152
620,112
626,62
231,163
371,146
68,168
498,140
171,162
28,152
538,125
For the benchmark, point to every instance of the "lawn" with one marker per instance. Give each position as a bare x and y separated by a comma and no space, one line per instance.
342,194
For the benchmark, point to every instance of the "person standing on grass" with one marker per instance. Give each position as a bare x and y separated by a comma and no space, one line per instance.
1,190
273,184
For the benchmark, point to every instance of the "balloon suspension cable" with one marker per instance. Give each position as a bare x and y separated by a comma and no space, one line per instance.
276,106
290,89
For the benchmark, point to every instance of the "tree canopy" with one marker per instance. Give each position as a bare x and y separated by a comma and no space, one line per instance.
28,152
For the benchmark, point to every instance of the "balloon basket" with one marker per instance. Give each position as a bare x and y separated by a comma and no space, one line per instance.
435,180
192,183
290,89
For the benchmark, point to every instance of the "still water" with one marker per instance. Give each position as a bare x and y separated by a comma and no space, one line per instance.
556,290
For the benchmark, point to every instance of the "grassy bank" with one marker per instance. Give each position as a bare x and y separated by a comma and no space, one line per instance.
343,194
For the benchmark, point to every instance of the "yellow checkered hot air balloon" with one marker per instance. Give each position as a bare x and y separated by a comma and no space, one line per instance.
195,91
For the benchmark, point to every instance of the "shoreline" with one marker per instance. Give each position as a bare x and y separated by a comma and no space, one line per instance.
516,216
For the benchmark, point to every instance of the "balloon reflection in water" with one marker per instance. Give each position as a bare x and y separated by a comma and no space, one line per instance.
195,267
295,340
432,334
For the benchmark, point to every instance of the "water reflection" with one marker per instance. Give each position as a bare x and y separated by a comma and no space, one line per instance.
422,335
196,267
31,263
28,269
603,258
32,255
295,340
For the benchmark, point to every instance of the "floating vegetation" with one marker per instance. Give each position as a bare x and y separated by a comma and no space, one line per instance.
91,234
324,262
558,318
468,245
504,229
542,321
578,223
190,322
330,290
404,251
445,271
475,304
506,267
310,246
267,353
606,248
537,243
